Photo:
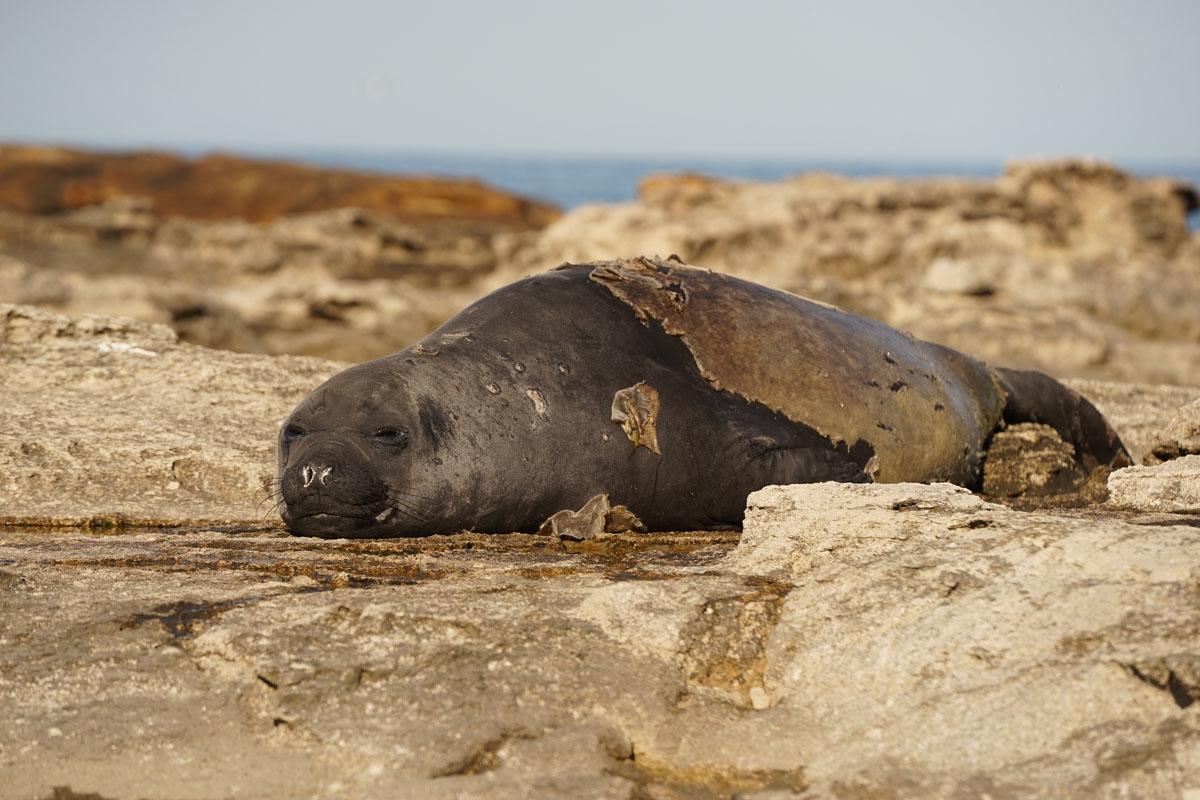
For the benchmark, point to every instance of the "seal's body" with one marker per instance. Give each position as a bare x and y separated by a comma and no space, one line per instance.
673,390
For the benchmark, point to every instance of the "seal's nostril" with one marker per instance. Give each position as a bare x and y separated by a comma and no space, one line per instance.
310,473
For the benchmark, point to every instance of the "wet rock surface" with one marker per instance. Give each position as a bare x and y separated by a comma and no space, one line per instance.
857,640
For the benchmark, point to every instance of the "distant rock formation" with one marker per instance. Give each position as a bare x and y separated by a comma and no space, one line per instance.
45,180
1073,267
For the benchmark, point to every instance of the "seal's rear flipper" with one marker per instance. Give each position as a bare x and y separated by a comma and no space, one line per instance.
1034,397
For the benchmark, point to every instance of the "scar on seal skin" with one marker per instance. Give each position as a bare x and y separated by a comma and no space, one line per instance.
721,385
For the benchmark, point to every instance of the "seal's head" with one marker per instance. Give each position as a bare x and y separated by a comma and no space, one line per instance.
346,458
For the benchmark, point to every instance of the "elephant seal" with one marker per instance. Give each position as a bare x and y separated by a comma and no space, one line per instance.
672,390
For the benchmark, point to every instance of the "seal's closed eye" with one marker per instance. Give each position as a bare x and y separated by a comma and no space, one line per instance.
395,437
292,432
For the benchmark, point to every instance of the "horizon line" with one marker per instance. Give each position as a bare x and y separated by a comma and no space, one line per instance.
194,149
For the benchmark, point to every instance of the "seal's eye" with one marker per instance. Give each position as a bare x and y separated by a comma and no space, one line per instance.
292,432
393,436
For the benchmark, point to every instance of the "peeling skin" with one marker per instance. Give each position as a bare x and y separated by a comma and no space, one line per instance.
596,517
538,400
636,409
817,353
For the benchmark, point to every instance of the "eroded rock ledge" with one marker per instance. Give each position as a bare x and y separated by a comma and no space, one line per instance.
108,421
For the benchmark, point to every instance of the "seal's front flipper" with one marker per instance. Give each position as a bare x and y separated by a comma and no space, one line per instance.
778,460
1034,397
777,452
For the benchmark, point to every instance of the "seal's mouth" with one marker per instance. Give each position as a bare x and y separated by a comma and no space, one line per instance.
329,525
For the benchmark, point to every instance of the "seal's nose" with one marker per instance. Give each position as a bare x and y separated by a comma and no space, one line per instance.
315,472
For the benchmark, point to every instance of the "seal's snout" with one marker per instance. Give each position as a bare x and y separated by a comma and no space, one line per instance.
315,472
331,490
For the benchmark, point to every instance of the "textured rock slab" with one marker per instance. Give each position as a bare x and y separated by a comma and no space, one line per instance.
858,641
343,283
107,418
1181,436
255,665
954,647
1173,487
1030,460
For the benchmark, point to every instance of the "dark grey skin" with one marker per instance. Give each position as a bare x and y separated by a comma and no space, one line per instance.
501,417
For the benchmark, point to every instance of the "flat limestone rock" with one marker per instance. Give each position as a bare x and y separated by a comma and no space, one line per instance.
1172,487
954,647
858,641
108,420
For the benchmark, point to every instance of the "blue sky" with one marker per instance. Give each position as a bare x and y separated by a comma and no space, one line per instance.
928,81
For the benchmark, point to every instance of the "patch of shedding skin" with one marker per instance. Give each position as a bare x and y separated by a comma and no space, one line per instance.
454,336
124,347
636,409
538,400
642,285
597,516
493,388
422,350
382,515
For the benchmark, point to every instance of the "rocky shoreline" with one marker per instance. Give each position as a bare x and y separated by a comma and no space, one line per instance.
164,638
1074,268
